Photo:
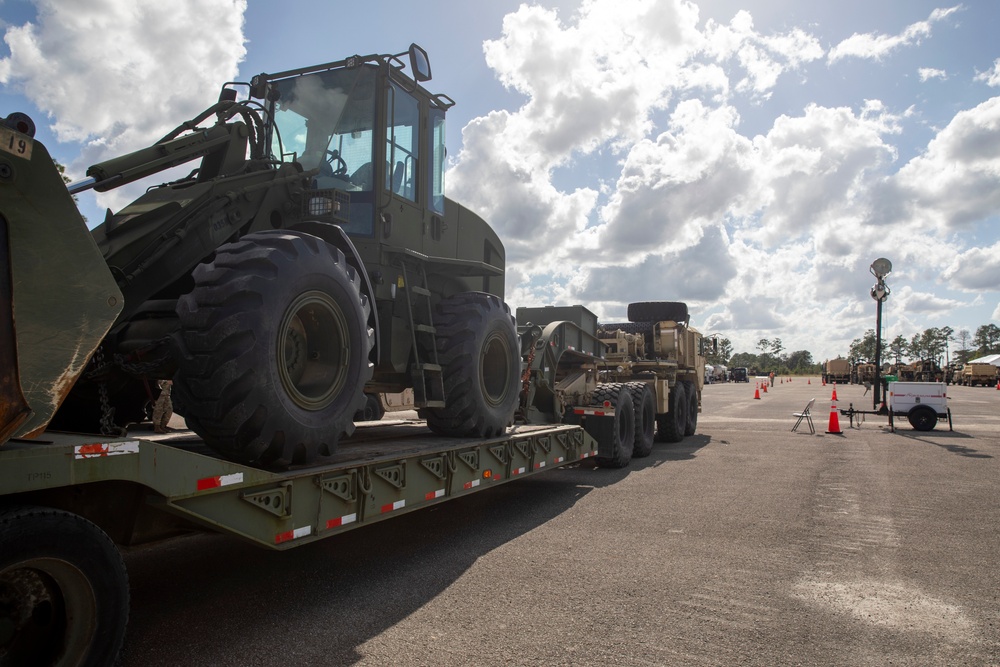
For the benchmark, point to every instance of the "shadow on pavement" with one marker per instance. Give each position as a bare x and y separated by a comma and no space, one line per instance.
194,598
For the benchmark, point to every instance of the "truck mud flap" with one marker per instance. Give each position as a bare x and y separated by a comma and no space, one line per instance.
13,406
598,424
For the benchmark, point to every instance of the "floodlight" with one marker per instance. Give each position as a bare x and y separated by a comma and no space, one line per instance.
881,267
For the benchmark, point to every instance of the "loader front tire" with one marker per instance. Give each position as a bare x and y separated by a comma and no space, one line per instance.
273,350
478,352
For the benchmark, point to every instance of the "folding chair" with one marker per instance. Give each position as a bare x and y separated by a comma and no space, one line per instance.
807,415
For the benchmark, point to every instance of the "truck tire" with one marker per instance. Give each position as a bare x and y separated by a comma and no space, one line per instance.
273,349
481,365
922,418
373,410
657,311
670,427
644,406
63,590
691,424
623,437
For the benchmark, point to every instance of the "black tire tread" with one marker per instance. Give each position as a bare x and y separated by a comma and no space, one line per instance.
218,388
644,405
618,395
30,532
460,321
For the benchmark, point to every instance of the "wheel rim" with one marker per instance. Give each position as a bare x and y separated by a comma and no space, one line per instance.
47,610
313,350
494,369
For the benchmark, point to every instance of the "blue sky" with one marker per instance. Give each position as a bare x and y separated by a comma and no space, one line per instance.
751,158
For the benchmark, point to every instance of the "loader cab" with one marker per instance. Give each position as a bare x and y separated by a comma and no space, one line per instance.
373,133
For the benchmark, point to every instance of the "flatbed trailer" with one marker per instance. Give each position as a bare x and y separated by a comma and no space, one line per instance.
71,502
388,468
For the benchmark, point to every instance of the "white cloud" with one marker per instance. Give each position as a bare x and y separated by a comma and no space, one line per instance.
991,76
956,182
875,46
927,73
118,74
975,270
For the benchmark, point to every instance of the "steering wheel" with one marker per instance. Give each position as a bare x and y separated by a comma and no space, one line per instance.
334,158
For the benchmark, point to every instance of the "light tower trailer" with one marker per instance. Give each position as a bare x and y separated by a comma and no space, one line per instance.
922,403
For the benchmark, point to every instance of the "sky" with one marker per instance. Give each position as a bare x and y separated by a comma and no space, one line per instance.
750,158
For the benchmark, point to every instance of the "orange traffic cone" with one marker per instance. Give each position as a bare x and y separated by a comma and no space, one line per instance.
834,397
824,382
834,426
998,385
756,393
764,387
809,381
782,380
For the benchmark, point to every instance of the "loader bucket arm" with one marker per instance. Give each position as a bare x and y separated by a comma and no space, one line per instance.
59,298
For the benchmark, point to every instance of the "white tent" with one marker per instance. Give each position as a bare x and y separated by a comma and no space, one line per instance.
988,359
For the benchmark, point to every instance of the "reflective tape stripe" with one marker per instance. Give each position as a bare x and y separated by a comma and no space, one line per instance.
292,534
341,521
220,480
517,471
540,464
434,494
101,449
469,485
399,504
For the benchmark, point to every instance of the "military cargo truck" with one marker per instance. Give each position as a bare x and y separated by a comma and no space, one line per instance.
837,370
974,375
656,361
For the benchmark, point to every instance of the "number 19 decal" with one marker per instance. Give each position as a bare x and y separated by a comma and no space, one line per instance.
15,143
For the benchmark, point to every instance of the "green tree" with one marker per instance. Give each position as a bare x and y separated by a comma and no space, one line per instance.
862,349
764,358
987,340
777,348
723,352
800,361
963,353
898,348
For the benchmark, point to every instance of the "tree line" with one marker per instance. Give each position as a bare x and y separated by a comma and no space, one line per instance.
934,343
772,356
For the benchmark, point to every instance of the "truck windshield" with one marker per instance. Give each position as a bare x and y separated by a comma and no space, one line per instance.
326,120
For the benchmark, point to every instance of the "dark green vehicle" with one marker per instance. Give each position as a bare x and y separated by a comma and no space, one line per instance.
310,261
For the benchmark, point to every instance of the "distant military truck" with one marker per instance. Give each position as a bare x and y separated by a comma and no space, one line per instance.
740,375
974,375
863,373
837,370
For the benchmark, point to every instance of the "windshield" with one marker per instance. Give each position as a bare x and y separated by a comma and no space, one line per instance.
326,120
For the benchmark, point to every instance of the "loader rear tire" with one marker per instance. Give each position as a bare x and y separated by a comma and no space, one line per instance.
273,350
63,590
644,406
480,362
623,435
670,427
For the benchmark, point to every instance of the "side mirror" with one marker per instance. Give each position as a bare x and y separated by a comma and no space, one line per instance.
420,64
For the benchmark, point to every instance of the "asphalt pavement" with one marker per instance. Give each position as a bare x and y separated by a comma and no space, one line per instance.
746,544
